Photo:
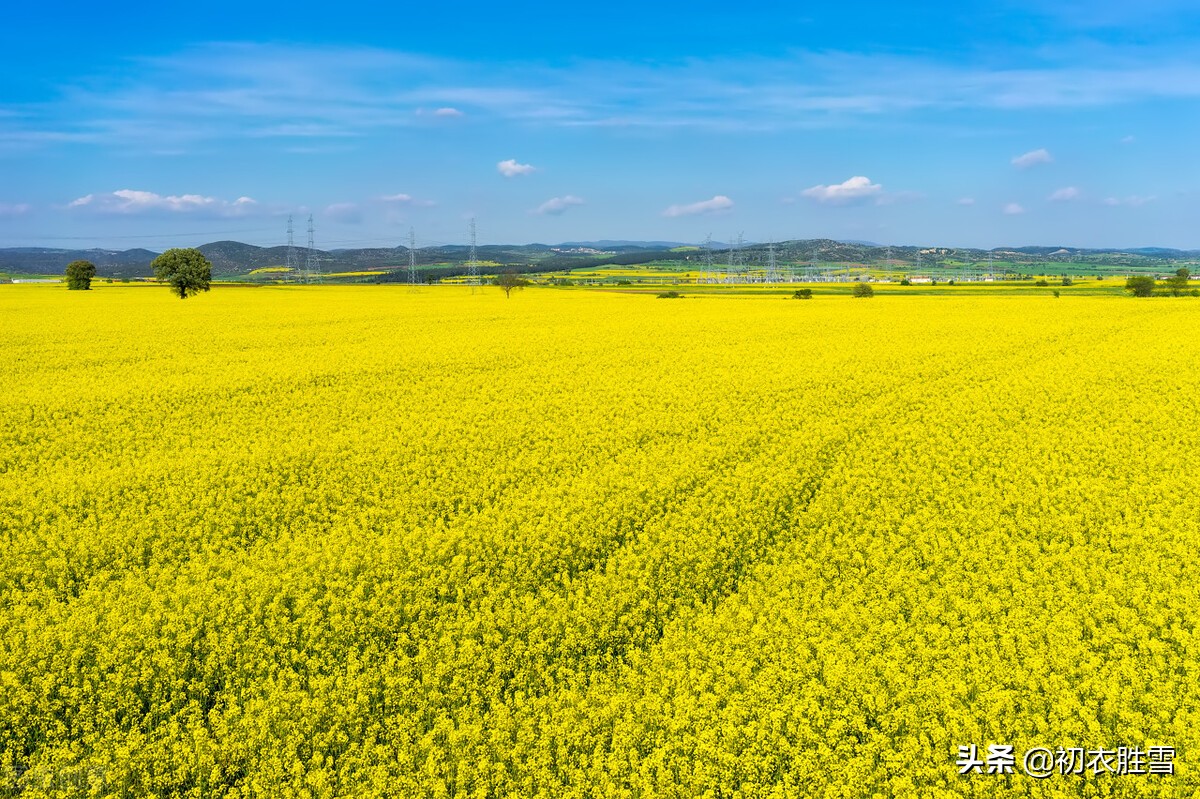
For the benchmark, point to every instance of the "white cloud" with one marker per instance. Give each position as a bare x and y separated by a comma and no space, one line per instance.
557,205
718,203
510,168
346,213
855,189
966,200
1013,209
448,112
130,201
18,209
1128,140
1065,194
406,199
1032,158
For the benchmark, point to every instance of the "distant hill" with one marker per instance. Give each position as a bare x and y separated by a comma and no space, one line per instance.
620,244
236,260
47,261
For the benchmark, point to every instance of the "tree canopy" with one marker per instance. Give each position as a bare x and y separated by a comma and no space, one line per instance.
1179,282
186,270
1140,285
80,274
509,281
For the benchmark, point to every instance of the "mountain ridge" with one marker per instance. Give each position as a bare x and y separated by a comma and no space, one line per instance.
238,259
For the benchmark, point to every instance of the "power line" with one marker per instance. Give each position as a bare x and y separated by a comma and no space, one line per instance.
291,251
412,257
311,270
473,264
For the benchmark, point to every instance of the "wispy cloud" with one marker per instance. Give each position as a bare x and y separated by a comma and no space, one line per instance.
717,204
17,209
966,200
1013,209
346,213
406,199
558,205
852,190
1032,158
1065,194
1134,201
220,91
130,201
511,169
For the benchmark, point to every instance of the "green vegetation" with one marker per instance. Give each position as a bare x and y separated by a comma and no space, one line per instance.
186,270
1140,285
1178,283
509,281
79,275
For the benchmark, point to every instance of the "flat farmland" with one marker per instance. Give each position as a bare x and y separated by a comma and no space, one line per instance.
366,541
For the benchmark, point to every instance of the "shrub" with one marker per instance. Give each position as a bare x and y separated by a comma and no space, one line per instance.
1140,285
80,274
802,294
669,295
863,290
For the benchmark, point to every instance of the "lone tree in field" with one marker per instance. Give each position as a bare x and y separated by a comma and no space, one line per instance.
187,270
1140,285
1179,283
509,281
863,290
80,274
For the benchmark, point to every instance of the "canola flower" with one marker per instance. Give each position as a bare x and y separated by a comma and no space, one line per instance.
339,541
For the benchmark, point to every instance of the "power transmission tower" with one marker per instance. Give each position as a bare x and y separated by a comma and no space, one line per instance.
311,270
412,257
291,252
472,264
735,259
772,268
708,261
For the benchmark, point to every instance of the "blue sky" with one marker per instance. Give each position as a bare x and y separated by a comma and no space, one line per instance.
957,124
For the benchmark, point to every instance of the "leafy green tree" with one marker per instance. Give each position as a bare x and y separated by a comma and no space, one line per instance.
1140,285
187,270
80,274
509,281
1179,283
863,290
802,294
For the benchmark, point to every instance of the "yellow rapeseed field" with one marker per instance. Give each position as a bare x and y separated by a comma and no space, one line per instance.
375,542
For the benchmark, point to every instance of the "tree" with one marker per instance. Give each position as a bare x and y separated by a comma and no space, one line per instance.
1140,285
509,281
863,290
187,270
802,294
1179,283
80,274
